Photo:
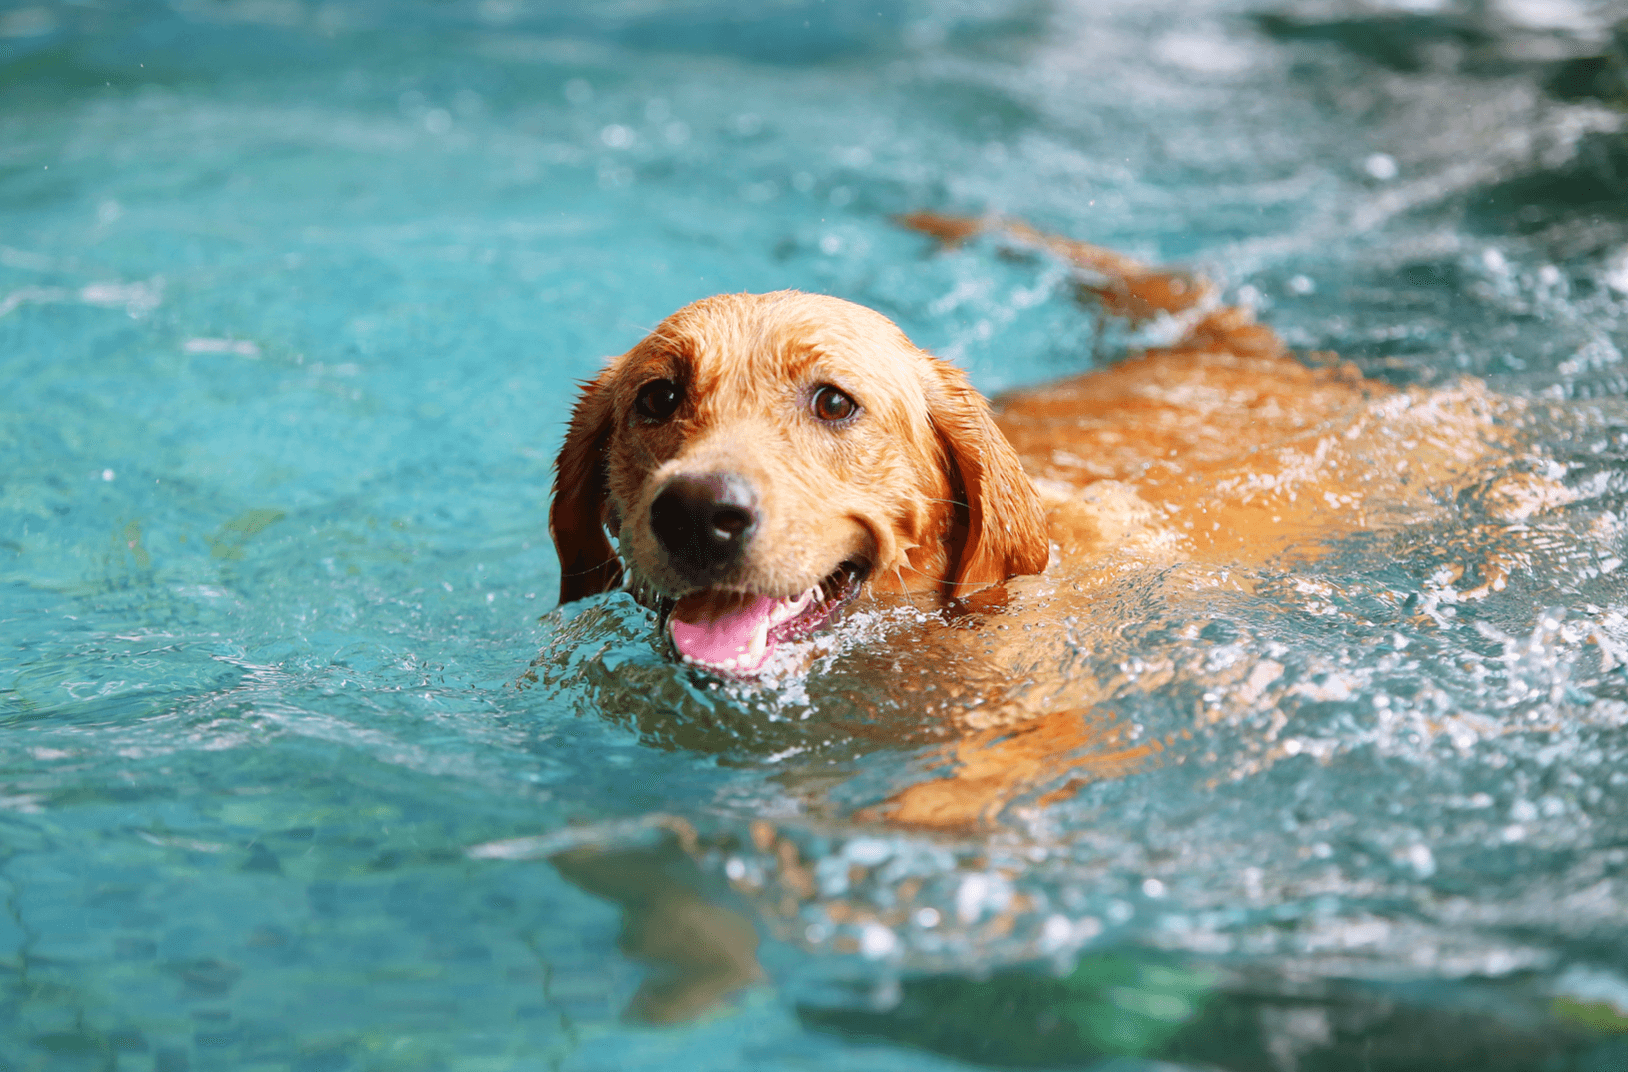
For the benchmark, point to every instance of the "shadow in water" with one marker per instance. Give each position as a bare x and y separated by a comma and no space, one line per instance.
1132,1004
699,951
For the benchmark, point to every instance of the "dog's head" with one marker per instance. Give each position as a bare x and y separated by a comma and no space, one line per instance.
762,458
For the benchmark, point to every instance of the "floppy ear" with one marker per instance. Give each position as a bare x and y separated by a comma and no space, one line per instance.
1005,533
576,519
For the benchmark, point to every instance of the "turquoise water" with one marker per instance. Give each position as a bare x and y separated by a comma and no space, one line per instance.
292,301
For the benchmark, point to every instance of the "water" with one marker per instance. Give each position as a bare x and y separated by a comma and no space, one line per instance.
292,296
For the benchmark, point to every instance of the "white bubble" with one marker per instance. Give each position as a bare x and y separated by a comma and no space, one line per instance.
1381,166
877,941
981,893
969,898
1616,272
867,852
1152,887
616,136
107,474
437,120
1055,933
1301,284
1422,860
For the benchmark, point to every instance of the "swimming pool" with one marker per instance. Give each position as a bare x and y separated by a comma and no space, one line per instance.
293,296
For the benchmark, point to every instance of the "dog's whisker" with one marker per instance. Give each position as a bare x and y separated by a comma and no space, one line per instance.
590,569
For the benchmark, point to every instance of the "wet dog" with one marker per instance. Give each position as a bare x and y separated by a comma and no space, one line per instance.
762,460
759,463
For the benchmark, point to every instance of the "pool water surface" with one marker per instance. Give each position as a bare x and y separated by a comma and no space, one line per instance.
302,768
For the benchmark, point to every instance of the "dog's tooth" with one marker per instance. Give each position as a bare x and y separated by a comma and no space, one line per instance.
790,608
760,641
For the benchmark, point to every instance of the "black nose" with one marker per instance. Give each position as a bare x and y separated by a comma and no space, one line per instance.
704,523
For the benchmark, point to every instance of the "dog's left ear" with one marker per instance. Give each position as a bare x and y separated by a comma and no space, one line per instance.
1005,534
576,519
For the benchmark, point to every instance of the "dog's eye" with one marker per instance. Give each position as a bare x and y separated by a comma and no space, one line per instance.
831,404
657,400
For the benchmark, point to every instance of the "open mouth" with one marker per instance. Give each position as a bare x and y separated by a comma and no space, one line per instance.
735,632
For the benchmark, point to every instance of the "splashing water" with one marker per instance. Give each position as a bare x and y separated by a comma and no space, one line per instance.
292,296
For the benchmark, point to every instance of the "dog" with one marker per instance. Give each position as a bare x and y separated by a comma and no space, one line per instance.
760,463
764,461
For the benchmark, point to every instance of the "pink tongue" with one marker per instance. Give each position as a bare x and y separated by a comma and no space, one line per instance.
709,629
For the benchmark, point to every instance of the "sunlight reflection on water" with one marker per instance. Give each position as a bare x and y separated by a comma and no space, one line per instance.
291,301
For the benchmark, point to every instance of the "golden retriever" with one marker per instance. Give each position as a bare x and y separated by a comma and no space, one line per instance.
761,461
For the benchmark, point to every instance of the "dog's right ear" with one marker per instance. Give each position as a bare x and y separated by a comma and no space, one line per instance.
576,519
